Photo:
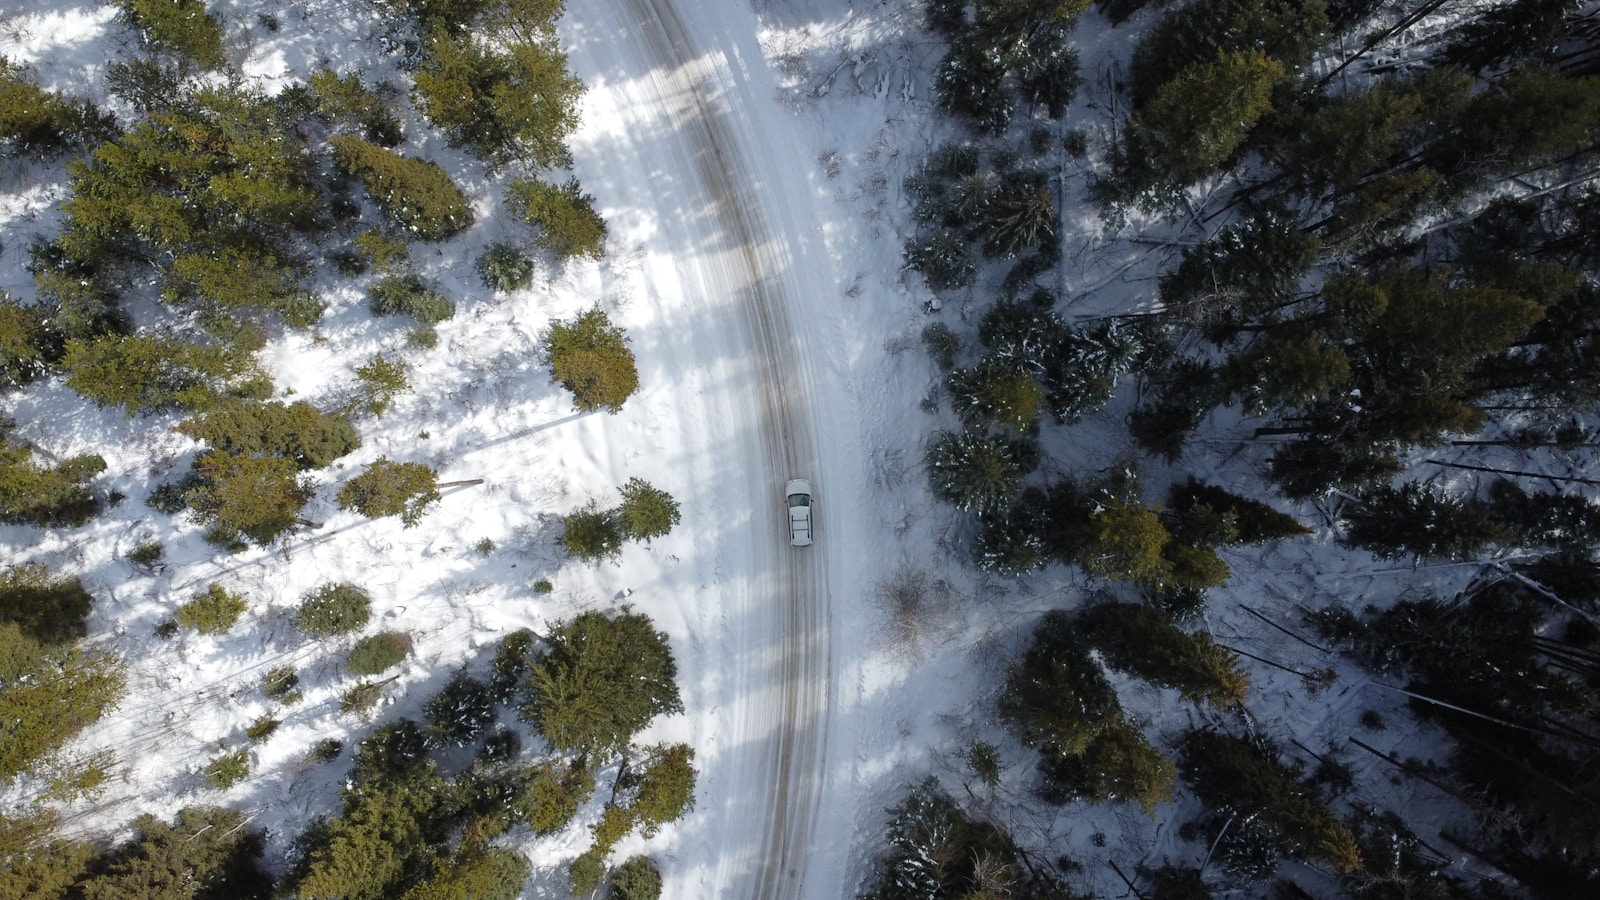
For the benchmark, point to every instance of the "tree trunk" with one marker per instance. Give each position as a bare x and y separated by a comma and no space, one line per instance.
468,482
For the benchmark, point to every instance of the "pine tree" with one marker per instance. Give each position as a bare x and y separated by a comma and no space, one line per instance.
1140,640
334,609
1055,697
974,471
1226,770
592,534
151,374
207,852
36,122
474,873
415,194
31,494
663,789
48,610
299,431
182,26
990,393
598,680
395,294
1118,765
636,879
460,713
377,652
212,611
257,497
647,511
1413,520
589,356
568,225
1252,521
347,101
388,488
943,259
47,695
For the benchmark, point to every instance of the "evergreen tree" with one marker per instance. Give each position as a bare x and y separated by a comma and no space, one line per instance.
388,488
974,471
212,611
1413,520
1226,770
592,534
415,194
663,789
31,494
1055,697
299,431
1139,640
47,695
347,101
589,356
181,26
970,83
36,122
30,343
48,610
1253,522
943,260
395,294
207,853
1118,764
568,225
647,511
1249,270
935,850
150,374
460,713
1287,31
334,609
474,874
990,393
257,497
636,879
378,652
598,680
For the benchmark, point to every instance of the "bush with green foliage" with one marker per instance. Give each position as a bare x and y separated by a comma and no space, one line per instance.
360,698
146,553
212,611
30,341
474,873
1246,775
151,374
334,609
48,610
568,225
1421,522
647,511
205,852
495,79
1140,640
227,770
396,294
415,194
239,496
377,652
460,713
384,254
181,26
660,788
382,379
281,684
47,497
592,534
504,268
597,681
263,728
548,796
992,394
589,356
36,122
587,873
943,259
50,693
636,879
511,662
975,471
388,488
346,101
299,431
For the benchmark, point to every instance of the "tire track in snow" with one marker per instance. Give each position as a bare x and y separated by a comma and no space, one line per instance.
759,271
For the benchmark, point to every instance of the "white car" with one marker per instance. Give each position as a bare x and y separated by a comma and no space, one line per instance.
798,494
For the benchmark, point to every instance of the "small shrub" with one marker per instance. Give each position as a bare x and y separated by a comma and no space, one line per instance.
335,609
81,779
395,294
459,714
592,534
212,611
636,879
261,729
228,769
423,337
484,546
416,194
510,664
647,511
504,268
378,652
589,356
166,630
382,379
148,553
326,750
281,684
362,697
543,586
586,873
381,252
568,225
942,344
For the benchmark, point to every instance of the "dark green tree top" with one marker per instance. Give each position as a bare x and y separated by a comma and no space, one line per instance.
388,488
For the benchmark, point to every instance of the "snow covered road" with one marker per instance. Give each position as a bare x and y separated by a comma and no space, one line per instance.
692,163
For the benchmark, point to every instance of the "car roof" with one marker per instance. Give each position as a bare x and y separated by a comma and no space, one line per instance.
798,486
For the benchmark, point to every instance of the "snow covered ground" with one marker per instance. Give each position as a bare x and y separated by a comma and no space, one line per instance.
749,164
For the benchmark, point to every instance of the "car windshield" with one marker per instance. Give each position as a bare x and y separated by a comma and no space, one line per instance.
799,500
